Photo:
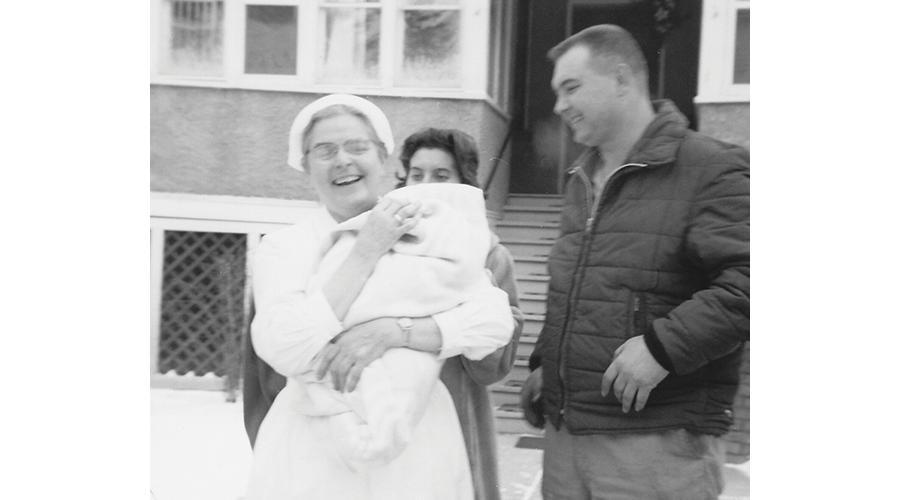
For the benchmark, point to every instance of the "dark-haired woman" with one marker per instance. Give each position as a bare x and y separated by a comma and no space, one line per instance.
451,156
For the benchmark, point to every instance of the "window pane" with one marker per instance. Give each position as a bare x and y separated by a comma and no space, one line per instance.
742,47
494,51
351,47
430,48
499,51
192,38
271,45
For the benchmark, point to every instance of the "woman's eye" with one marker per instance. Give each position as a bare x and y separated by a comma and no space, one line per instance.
356,148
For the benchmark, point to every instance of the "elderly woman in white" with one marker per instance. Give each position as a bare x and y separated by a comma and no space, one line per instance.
315,441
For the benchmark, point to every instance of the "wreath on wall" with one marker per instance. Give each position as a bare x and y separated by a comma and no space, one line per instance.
666,15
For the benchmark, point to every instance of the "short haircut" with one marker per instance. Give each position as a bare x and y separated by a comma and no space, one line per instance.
458,144
335,110
610,42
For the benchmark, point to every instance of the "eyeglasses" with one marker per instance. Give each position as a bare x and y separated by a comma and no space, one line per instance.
328,150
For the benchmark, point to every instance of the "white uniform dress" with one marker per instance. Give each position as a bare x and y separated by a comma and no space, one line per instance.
397,435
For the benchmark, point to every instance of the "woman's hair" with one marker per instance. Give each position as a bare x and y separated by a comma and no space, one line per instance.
335,110
458,144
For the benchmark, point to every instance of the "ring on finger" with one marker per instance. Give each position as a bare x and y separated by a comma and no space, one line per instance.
399,218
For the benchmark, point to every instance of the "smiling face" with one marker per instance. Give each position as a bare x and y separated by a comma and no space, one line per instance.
586,99
347,184
429,165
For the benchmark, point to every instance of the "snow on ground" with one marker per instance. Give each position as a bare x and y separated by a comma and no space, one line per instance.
737,482
198,447
199,451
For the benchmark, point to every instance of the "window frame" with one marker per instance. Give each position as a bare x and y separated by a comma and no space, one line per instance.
238,53
156,28
474,27
717,45
399,42
504,51
317,16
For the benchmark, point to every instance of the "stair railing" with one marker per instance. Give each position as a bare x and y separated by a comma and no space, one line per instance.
495,161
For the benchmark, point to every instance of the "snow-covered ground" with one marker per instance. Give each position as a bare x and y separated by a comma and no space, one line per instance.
197,445
737,482
199,451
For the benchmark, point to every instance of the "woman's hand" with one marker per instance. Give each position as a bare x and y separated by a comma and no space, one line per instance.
352,350
388,221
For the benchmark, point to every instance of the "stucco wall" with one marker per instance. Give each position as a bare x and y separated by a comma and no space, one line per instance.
729,122
234,142
223,142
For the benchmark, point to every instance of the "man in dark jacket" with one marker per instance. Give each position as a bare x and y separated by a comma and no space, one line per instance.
648,307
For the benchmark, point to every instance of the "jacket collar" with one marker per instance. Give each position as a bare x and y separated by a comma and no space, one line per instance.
663,136
659,143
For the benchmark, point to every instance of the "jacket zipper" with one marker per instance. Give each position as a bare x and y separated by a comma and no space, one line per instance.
594,203
638,311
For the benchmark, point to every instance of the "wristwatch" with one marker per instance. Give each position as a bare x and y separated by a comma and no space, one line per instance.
406,325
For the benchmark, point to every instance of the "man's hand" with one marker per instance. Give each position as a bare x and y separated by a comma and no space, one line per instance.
352,350
633,372
530,398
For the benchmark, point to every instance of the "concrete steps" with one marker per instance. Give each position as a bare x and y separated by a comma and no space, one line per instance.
533,303
534,200
529,227
532,283
522,230
528,248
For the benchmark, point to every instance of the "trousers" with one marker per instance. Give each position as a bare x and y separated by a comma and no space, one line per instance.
667,465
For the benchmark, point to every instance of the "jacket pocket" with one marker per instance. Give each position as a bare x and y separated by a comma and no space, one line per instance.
637,313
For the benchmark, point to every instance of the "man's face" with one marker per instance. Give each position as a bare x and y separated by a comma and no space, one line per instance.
585,99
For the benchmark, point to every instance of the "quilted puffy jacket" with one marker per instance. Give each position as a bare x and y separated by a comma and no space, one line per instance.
664,253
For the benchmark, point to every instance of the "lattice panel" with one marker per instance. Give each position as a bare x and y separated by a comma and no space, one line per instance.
202,313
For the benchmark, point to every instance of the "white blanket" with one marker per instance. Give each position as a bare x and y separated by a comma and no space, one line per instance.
438,266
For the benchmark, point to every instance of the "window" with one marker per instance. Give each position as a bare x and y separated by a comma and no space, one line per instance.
725,52
401,47
350,44
271,40
192,38
742,47
428,36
